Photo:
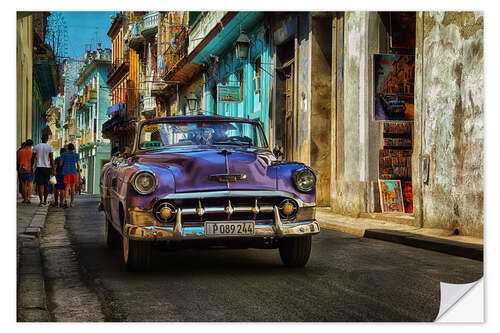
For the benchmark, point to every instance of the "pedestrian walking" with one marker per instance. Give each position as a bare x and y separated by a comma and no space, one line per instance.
71,170
83,183
25,169
44,156
20,189
60,187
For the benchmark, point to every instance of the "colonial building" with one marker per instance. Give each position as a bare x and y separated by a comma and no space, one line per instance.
363,97
70,72
37,75
90,115
123,80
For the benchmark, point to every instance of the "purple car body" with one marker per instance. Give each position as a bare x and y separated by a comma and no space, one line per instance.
233,192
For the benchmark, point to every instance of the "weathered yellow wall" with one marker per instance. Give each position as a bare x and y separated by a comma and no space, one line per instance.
133,76
24,69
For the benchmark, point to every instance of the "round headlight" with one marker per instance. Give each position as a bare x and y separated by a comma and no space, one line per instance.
144,182
304,179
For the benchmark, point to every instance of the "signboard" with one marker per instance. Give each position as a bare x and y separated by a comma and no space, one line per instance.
226,94
394,77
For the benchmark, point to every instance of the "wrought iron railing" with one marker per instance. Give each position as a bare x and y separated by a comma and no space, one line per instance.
116,63
149,21
176,51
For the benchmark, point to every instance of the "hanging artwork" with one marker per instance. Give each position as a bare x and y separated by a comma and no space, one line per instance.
391,196
394,77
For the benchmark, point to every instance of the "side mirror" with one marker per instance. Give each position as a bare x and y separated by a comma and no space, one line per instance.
278,153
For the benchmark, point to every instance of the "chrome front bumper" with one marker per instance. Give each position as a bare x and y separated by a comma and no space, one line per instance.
139,230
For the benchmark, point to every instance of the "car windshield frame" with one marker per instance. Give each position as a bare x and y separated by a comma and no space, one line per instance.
257,130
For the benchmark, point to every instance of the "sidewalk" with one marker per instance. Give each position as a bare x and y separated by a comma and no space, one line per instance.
375,227
31,297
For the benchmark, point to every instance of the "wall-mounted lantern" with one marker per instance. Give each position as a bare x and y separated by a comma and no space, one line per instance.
192,101
242,45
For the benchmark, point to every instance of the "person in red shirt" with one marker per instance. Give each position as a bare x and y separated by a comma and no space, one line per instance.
24,160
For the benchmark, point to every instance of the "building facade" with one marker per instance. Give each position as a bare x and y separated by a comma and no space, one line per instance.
363,97
37,76
89,116
123,80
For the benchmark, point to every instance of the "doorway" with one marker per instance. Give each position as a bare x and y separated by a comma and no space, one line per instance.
285,102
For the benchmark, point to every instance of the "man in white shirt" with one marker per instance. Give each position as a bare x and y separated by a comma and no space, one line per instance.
44,162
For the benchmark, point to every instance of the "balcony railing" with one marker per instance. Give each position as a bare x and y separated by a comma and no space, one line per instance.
207,21
90,95
149,23
175,51
116,63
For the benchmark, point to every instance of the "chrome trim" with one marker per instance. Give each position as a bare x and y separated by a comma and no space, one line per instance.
178,231
159,233
226,177
278,226
229,194
132,182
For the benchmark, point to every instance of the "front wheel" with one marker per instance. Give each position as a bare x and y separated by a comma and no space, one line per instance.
295,251
136,254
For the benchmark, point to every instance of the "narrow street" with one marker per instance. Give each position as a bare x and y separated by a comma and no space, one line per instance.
348,278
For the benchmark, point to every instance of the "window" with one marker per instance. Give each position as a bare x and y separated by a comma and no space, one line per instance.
201,133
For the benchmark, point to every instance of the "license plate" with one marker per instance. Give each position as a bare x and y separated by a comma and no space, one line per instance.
230,228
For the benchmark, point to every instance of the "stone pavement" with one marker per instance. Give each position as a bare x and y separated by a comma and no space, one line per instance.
381,227
31,296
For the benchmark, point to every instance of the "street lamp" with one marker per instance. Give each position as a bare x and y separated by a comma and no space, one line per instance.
192,100
242,45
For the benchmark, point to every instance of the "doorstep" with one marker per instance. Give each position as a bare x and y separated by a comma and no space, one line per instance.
397,223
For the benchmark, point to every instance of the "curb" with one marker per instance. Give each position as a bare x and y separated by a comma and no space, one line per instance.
31,296
471,251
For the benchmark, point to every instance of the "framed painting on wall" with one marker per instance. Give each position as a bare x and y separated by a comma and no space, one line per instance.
393,77
391,196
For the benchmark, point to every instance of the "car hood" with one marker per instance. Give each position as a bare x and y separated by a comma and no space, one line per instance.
192,168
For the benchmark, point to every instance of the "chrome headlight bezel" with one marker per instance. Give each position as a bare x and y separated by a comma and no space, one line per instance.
301,172
134,179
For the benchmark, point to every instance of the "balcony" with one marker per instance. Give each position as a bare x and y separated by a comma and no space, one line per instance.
136,41
89,96
205,23
175,53
148,107
149,25
117,69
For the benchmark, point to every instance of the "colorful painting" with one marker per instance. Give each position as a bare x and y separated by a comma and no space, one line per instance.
228,94
394,77
408,196
391,196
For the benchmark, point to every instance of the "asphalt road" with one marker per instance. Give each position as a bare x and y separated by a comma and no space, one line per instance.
348,278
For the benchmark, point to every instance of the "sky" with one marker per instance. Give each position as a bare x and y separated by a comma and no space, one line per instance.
82,27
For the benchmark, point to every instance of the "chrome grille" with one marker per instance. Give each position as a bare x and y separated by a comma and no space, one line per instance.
197,211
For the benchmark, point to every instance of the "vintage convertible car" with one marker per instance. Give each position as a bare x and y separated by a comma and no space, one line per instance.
206,181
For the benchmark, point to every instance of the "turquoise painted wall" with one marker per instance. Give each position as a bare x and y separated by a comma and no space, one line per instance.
253,106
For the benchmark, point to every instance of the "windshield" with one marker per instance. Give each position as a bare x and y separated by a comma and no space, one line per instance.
201,133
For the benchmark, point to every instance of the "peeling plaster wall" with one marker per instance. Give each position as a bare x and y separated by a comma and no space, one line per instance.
353,190
451,125
303,93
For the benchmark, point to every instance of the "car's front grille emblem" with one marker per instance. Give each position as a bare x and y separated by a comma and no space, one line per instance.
226,177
